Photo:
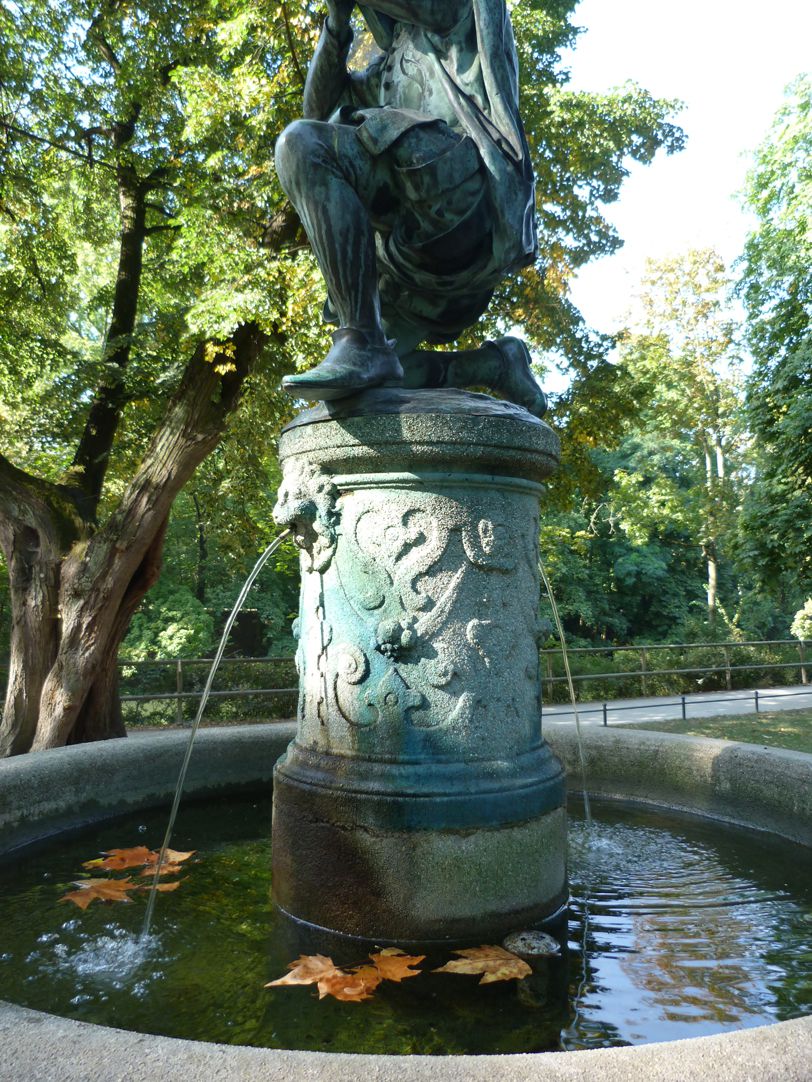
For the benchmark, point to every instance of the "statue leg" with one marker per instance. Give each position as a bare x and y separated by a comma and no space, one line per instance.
337,187
502,366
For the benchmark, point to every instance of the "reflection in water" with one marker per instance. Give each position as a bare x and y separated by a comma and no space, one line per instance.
687,930
678,928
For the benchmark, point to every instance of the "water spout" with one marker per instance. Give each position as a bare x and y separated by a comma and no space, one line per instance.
249,582
571,686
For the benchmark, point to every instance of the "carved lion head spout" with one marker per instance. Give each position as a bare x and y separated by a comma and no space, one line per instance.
306,503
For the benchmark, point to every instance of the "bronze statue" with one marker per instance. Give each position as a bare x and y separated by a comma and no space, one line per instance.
414,184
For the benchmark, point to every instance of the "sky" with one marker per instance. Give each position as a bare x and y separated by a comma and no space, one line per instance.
729,61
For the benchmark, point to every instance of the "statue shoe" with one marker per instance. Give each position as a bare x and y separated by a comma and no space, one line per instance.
516,380
352,365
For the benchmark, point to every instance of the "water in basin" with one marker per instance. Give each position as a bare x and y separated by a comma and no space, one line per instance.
678,927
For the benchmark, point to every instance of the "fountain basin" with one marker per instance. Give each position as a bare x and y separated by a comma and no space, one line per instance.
43,794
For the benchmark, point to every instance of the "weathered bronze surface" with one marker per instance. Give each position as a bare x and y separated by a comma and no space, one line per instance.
414,184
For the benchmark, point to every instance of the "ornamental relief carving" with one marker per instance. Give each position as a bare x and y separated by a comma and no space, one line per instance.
432,597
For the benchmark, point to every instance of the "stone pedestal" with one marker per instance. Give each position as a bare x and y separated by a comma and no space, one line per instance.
418,801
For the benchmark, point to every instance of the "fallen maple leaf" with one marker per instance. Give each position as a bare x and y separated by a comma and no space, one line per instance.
166,869
307,969
106,890
171,856
116,860
351,987
161,886
494,963
394,964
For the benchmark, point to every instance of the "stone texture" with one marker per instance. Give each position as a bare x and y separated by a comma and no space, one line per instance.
419,674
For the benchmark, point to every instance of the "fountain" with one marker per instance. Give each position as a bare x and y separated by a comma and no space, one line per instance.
418,784
415,800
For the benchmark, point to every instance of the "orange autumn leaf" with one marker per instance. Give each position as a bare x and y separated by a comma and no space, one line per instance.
106,890
351,987
394,964
171,856
116,860
307,969
166,869
163,886
494,963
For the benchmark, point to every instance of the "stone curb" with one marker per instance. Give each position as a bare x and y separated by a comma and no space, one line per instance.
735,782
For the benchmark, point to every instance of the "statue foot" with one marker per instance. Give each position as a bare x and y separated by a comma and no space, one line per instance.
352,365
516,380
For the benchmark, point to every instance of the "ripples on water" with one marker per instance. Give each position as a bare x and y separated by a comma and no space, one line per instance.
678,928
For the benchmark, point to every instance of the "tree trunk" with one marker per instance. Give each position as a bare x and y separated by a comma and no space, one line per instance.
202,552
101,717
709,546
713,581
104,578
36,526
34,589
93,453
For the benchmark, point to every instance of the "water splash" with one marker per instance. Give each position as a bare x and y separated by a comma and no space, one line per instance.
218,657
560,629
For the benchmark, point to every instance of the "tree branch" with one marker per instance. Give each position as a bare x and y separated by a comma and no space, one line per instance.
29,501
292,44
15,129
150,230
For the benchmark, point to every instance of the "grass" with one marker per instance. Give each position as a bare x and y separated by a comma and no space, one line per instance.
782,729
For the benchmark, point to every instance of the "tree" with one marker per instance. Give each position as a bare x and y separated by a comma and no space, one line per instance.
684,365
152,272
776,288
111,128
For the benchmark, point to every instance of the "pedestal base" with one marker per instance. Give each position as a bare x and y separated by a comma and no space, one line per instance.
418,801
455,855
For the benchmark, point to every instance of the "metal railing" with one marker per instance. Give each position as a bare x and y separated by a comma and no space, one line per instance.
735,663
166,690
149,687
756,696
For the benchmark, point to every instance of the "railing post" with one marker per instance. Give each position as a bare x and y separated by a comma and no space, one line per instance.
179,690
755,696
728,673
802,659
548,663
643,670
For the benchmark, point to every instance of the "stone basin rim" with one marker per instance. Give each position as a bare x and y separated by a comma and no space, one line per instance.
768,788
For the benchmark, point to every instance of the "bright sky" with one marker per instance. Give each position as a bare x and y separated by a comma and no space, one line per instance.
729,61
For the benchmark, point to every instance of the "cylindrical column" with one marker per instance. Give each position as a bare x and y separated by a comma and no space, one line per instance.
418,800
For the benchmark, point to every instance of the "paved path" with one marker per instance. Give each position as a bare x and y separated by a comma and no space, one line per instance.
620,711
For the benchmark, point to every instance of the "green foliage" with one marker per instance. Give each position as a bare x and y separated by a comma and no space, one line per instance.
776,288
170,623
802,622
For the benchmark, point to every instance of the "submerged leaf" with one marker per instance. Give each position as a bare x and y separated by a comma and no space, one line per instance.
494,963
394,964
106,890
